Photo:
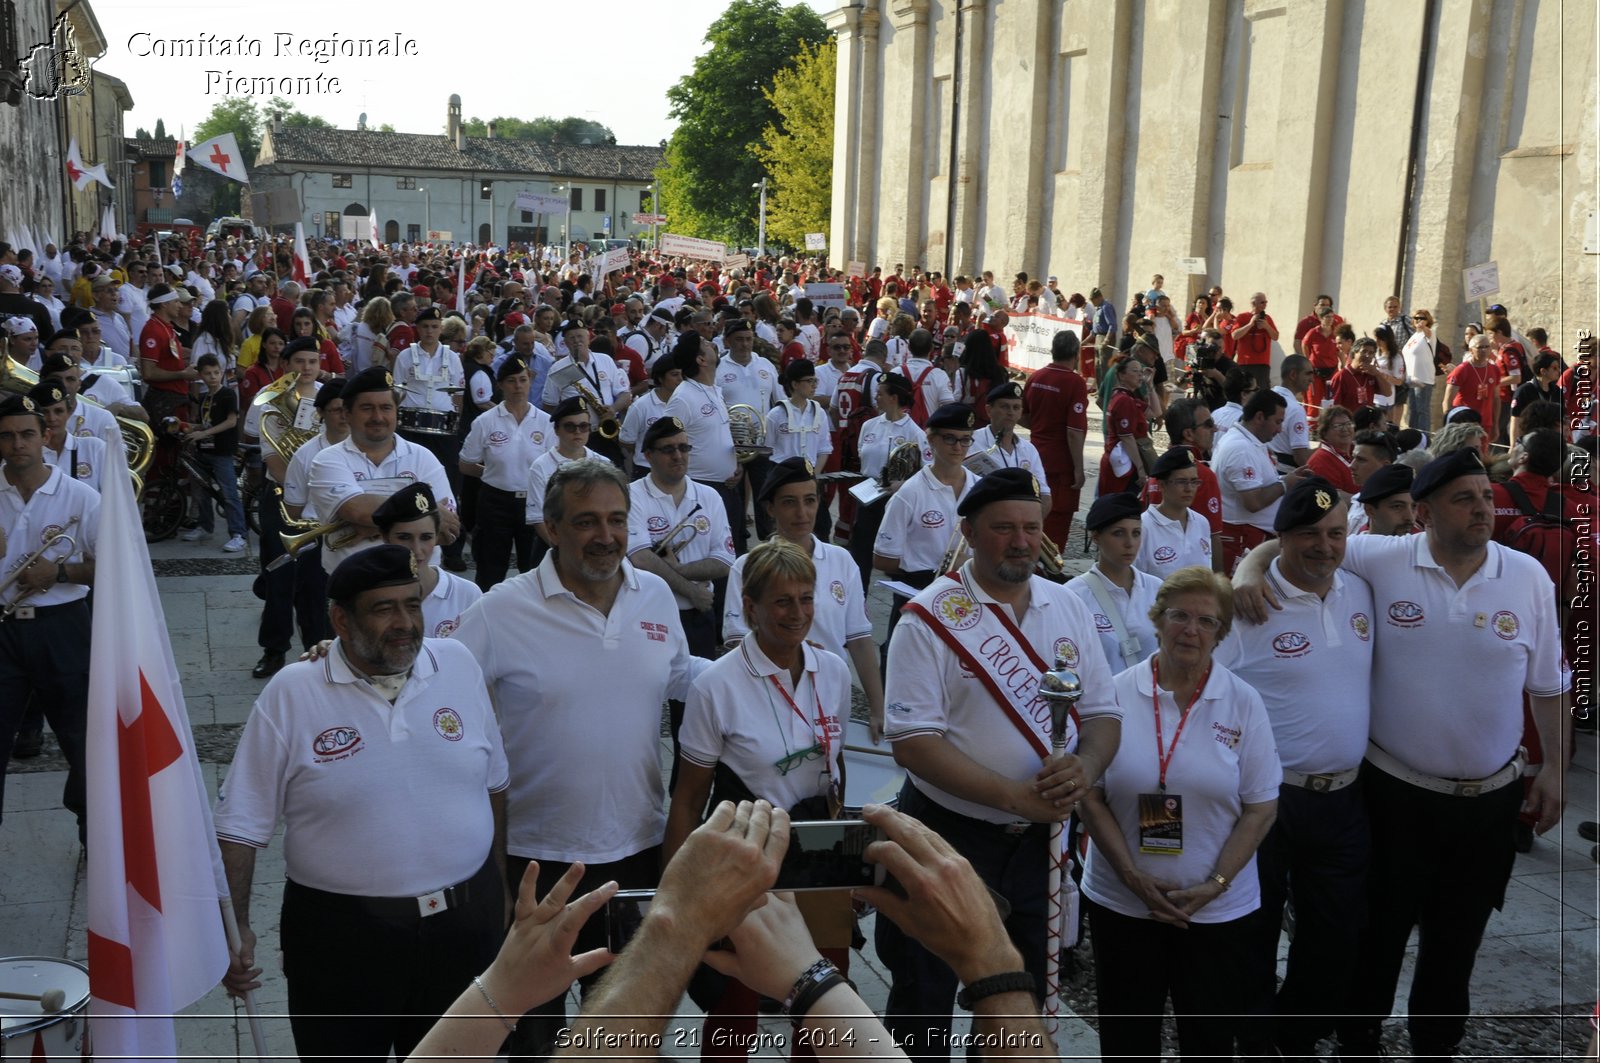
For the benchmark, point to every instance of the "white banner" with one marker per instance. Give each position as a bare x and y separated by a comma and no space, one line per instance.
611,260
440,236
816,241
856,269
541,204
1028,338
1481,281
823,296
691,247
649,219
736,261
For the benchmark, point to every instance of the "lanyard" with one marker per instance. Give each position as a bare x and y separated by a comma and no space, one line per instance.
823,738
1164,759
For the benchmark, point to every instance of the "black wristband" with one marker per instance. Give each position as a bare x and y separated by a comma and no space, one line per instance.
806,999
994,985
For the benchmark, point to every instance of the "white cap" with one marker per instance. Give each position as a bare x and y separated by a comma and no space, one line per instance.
17,326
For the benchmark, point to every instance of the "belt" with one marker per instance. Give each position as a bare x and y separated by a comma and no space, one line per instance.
1022,829
428,904
1454,787
36,612
1322,784
491,489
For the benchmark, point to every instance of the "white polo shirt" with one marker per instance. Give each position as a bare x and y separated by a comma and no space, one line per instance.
1243,463
1022,455
354,778
580,696
1134,607
84,459
297,477
421,377
828,377
1223,760
753,384
879,436
935,382
704,414
920,520
51,509
930,693
840,606
1311,662
107,391
735,716
652,513
507,447
1226,416
804,433
1295,433
342,471
1168,545
644,411
441,610
92,419
1451,663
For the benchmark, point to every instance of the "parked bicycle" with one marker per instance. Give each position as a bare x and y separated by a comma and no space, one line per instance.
168,491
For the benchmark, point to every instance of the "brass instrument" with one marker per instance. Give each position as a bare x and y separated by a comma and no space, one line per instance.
279,403
666,548
904,462
572,376
749,433
138,441
11,607
955,555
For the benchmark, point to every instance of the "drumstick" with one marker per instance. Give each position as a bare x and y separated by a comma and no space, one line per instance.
49,1000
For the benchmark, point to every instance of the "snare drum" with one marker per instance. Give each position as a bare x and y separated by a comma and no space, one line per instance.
28,1033
871,775
427,422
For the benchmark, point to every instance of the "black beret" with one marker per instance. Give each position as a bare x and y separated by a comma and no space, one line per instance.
1387,481
430,314
799,369
1409,439
952,415
1002,485
1306,503
788,471
332,391
1441,471
898,384
1175,459
1108,509
373,378
734,327
46,395
412,502
383,565
14,405
1463,415
661,428
1009,390
568,407
571,326
56,364
301,343
511,367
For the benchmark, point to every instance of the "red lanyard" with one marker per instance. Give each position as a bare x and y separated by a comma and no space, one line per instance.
1165,758
824,739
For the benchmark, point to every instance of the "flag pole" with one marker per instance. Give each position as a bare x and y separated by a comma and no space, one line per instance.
230,925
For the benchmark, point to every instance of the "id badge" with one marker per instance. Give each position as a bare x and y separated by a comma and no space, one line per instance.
1161,824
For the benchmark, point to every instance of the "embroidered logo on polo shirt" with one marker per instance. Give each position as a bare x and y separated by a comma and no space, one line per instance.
956,608
538,439
836,588
50,532
445,628
656,525
336,743
653,631
702,525
1214,504
84,470
447,722
1164,554
706,409
1228,736
933,518
1505,624
499,439
1291,644
1405,614
1067,650
1102,622
1361,624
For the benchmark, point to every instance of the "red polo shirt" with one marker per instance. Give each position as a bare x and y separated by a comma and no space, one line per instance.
159,344
1253,347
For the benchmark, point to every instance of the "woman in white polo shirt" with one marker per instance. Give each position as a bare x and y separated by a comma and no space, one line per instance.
1116,594
1174,825
765,721
1175,536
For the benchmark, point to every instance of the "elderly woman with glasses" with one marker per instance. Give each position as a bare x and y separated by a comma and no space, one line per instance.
1174,825
1336,429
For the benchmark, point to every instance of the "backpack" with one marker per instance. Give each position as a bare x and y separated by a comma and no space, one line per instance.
919,398
1545,536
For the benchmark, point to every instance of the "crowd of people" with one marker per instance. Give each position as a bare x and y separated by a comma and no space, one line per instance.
696,475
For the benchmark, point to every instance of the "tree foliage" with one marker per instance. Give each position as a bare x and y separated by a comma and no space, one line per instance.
141,133
161,130
543,130
722,111
797,150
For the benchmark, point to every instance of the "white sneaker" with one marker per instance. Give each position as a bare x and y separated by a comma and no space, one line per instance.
194,535
234,545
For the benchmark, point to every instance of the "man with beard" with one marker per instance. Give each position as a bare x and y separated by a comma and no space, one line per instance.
589,605
357,752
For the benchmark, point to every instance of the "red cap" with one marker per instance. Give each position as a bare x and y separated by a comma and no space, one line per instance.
422,291
618,308
512,320
667,278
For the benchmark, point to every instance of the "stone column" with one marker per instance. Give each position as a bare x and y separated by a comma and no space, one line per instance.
864,241
909,96
844,22
967,186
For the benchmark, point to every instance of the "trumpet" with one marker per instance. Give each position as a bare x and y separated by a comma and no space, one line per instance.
303,533
666,548
11,607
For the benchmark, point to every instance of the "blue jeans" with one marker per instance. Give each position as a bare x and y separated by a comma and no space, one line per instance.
1419,408
222,471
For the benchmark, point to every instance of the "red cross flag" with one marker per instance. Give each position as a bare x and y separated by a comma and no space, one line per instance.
220,155
79,174
302,258
156,938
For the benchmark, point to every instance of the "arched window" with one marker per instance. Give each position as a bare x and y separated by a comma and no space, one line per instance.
391,232
483,235
356,209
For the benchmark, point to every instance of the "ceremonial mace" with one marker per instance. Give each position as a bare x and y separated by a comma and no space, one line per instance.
1061,688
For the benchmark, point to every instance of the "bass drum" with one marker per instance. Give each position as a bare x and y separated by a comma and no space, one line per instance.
28,1033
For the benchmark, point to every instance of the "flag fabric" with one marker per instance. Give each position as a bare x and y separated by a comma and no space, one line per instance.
177,186
372,232
302,257
81,175
26,240
155,879
177,162
461,283
221,155
108,227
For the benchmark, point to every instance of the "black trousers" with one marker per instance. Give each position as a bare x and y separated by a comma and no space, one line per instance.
1317,852
733,501
448,450
1440,864
701,631
363,985
863,534
276,630
311,596
1139,963
502,523
922,988
536,1032
45,662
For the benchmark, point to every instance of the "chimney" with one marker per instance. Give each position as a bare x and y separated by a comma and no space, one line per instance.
453,124
491,129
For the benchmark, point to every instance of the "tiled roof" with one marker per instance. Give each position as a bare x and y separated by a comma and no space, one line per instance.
356,147
150,146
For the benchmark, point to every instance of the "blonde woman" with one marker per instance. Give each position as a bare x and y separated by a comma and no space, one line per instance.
370,345
260,320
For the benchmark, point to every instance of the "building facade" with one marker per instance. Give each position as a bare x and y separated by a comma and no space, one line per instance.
453,184
1295,146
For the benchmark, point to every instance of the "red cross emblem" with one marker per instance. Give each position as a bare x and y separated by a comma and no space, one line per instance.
73,173
220,158
433,903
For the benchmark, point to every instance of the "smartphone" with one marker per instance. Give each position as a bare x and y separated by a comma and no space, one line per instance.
624,912
829,854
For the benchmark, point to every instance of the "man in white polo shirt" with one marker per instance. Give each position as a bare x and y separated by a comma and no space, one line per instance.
698,405
384,762
1319,844
931,381
1292,442
1442,768
605,632
1248,477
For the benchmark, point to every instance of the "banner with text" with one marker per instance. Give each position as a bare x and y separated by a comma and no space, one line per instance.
816,241
856,269
1028,338
541,204
738,261
610,261
649,219
692,247
823,296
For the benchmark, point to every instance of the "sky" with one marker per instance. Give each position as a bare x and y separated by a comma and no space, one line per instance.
607,60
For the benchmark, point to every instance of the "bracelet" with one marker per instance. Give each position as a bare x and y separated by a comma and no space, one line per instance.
994,985
810,987
510,1026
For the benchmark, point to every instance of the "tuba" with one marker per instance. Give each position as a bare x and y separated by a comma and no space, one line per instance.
138,441
749,433
279,404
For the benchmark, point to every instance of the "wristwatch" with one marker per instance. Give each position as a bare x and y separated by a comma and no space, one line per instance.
61,572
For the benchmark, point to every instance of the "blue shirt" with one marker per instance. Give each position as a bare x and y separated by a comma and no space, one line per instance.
1105,319
539,365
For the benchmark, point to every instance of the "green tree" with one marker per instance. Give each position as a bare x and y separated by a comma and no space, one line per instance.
722,110
387,127
141,133
279,109
543,130
797,150
237,115
161,130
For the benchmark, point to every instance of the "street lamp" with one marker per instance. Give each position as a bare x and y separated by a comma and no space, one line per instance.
566,232
427,204
761,239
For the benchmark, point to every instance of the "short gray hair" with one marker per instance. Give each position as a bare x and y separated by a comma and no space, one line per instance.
585,474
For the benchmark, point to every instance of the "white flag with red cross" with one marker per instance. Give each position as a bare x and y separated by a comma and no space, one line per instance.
221,155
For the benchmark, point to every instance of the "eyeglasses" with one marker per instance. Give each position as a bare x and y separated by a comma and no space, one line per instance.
1184,618
1338,425
1419,317
681,448
955,441
580,427
1183,481
787,764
